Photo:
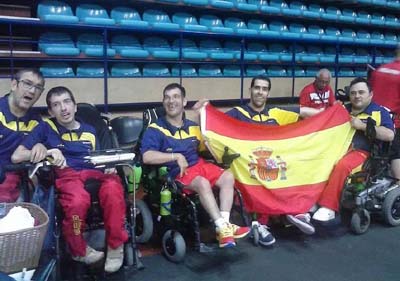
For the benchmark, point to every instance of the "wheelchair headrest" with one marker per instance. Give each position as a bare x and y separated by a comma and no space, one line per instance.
127,129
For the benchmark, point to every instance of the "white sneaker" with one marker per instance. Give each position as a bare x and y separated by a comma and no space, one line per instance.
114,260
92,256
324,214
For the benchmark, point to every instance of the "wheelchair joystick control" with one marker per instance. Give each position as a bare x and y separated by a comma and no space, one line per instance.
165,202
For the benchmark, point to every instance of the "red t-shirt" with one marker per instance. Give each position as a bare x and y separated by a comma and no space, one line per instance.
385,83
311,97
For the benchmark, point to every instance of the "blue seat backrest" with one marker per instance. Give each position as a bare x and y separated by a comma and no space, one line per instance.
363,34
297,28
235,23
347,51
185,43
209,70
155,69
254,70
277,71
94,69
277,48
258,2
333,31
364,14
315,29
232,46
91,11
125,13
211,21
155,42
210,44
256,47
125,69
56,39
152,16
89,40
186,70
125,41
57,69
231,70
48,7
377,35
278,26
258,25
314,50
184,18
348,32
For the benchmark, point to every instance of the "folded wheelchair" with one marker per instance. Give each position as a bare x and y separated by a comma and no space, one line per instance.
178,215
372,190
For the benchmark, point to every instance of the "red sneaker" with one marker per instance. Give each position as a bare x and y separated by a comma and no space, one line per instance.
240,231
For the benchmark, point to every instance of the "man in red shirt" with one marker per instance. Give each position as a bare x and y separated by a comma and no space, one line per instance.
385,82
318,94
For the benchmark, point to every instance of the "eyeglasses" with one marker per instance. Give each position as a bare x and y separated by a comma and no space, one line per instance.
27,85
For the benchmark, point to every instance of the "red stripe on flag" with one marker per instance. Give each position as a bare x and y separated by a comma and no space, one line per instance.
228,126
289,200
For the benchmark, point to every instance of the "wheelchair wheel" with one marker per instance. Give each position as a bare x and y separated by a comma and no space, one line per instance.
174,246
360,221
255,234
391,207
144,222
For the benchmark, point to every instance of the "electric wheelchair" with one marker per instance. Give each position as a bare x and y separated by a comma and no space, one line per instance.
372,190
176,210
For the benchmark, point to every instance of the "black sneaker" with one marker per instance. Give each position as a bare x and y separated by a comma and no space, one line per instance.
302,222
266,238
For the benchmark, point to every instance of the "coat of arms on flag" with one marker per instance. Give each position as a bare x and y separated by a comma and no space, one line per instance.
281,169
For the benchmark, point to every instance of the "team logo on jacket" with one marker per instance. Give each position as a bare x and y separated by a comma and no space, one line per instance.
265,167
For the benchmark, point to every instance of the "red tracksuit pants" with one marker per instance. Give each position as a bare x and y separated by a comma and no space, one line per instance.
75,201
352,161
9,190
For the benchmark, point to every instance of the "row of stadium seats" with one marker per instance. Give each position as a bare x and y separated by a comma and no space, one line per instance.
128,46
129,17
92,69
49,10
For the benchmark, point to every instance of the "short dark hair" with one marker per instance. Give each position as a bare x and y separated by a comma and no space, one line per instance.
35,71
261,77
58,91
360,80
175,86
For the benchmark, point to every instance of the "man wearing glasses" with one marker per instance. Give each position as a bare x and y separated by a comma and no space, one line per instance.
17,119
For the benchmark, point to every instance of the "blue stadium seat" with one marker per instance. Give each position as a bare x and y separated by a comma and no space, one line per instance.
379,57
221,4
348,35
392,21
57,69
214,50
189,49
196,2
183,70
281,50
57,44
299,72
255,70
243,5
314,32
346,55
348,15
92,45
331,13
363,37
276,4
128,46
278,26
294,8
93,14
125,69
277,71
300,51
390,38
377,38
363,17
239,26
126,16
382,3
272,54
55,11
215,24
332,34
296,31
329,55
393,4
360,71
346,72
312,55
90,69
311,71
362,56
273,8
187,21
258,49
378,19
155,69
212,70
231,70
234,47
159,48
159,19
262,28
314,11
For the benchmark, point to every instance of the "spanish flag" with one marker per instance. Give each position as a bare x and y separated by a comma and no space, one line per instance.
281,169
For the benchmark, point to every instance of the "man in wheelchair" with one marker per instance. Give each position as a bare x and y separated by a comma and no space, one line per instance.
173,141
68,141
361,108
